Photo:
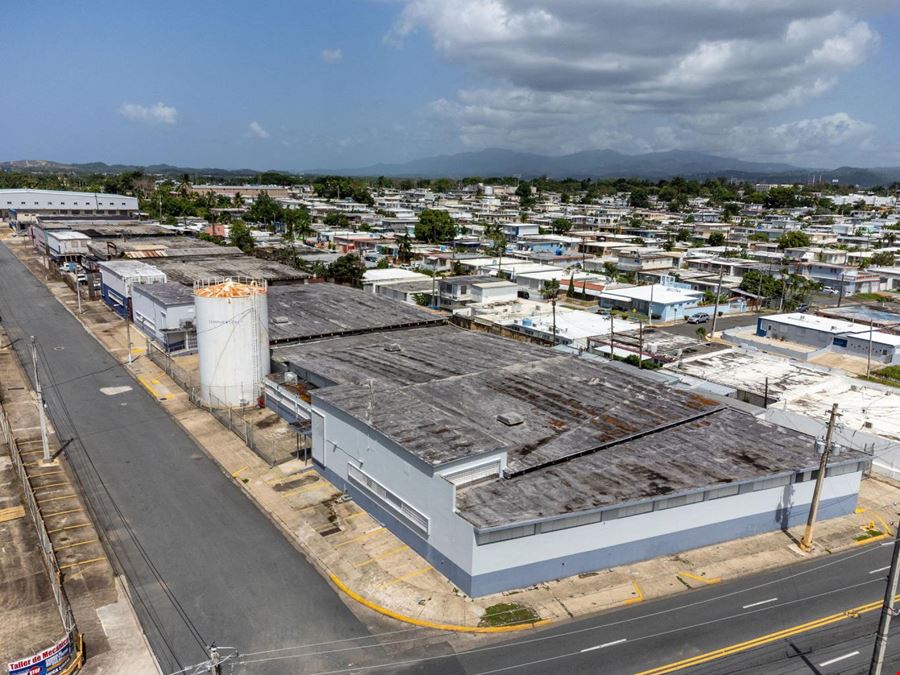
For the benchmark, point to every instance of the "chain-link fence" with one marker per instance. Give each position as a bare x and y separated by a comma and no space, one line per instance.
270,437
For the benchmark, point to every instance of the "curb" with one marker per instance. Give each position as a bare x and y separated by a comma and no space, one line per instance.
428,624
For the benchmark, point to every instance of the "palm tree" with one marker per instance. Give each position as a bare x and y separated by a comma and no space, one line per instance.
550,290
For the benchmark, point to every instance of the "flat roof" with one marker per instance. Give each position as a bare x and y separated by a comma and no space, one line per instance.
568,405
814,322
661,294
862,314
406,356
169,294
189,269
724,447
301,312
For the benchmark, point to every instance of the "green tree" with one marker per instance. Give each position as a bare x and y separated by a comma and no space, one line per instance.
435,226
404,249
610,270
793,239
338,221
382,264
561,225
348,269
240,236
550,291
639,198
882,259
682,234
265,210
716,239
758,236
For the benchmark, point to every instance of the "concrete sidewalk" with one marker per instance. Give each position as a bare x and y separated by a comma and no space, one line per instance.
371,566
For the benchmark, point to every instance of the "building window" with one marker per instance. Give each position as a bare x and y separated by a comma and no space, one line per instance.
417,520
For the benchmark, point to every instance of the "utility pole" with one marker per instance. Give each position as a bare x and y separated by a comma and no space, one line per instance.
640,345
553,305
887,610
128,331
39,399
841,290
869,356
78,291
612,354
650,306
215,662
806,543
716,307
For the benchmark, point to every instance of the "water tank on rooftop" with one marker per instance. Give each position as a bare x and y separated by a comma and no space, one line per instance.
232,320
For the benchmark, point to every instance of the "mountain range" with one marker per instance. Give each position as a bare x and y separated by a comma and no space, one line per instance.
494,162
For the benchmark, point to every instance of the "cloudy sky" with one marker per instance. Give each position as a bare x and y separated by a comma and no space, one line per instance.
346,83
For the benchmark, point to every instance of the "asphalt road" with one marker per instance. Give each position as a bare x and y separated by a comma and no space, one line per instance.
199,548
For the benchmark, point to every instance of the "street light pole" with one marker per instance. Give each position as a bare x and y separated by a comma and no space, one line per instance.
39,399
869,356
716,307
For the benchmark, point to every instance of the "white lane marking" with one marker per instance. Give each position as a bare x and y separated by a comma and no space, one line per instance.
840,658
880,569
887,543
112,391
604,645
757,604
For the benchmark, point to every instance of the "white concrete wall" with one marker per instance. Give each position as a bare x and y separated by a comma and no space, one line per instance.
346,441
539,547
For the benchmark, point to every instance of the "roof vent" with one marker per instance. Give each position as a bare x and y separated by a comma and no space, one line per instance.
510,419
393,347
280,320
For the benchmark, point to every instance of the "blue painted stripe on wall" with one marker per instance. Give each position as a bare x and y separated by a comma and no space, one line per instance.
588,561
644,549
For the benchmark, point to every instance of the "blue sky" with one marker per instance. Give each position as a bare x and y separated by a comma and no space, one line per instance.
347,83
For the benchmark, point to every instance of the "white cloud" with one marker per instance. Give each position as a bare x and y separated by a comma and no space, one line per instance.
332,55
575,73
158,113
808,140
256,130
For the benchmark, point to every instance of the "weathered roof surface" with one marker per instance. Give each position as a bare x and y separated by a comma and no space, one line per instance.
307,312
167,294
726,446
198,268
406,356
568,406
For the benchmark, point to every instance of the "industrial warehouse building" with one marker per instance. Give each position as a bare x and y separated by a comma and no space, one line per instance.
505,464
24,204
828,334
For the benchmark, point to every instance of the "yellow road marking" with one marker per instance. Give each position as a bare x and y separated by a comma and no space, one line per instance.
406,577
378,557
869,540
79,543
307,488
12,513
763,639
56,499
640,594
146,384
285,479
43,475
430,624
68,527
696,577
355,515
83,562
860,509
887,528
237,473
364,535
48,487
60,513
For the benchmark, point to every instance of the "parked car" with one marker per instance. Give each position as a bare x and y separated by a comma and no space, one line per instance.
831,291
523,294
803,308
702,317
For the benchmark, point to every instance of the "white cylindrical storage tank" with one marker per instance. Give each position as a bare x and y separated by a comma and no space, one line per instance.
232,319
